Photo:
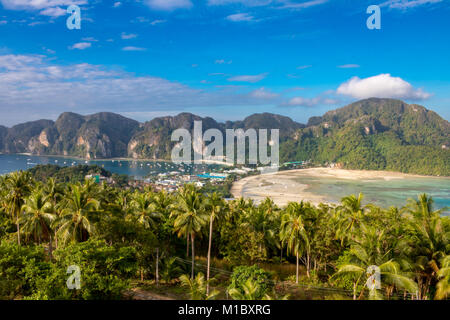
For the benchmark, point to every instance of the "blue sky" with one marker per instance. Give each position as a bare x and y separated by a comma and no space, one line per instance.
221,58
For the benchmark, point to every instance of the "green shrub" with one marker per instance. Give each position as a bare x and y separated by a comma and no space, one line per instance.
259,277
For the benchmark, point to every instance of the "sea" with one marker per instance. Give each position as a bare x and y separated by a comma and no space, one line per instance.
139,169
384,193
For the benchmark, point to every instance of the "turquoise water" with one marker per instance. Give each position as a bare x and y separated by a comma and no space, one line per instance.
383,193
138,169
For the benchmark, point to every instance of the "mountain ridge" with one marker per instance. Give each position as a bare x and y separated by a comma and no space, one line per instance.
368,134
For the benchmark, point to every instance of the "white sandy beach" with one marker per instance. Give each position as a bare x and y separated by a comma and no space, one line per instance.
285,186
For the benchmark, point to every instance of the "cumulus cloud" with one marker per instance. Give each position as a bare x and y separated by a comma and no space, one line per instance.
169,5
248,78
381,86
117,4
81,45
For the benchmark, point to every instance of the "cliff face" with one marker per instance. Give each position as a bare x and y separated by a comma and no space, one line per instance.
369,134
154,139
102,135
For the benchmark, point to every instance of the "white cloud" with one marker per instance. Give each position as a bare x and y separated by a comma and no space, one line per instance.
155,22
28,82
407,4
222,61
304,67
248,78
349,66
239,17
127,36
263,93
38,4
249,3
3,22
53,12
91,39
117,4
301,5
311,102
169,5
81,45
381,86
131,48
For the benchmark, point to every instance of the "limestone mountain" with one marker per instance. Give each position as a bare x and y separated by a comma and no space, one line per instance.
369,134
376,134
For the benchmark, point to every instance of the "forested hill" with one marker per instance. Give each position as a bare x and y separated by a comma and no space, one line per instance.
369,134
376,134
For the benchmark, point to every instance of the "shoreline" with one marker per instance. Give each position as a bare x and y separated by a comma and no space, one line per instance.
285,186
113,159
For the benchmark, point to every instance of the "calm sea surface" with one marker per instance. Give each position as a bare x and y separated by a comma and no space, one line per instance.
383,193
138,169
378,191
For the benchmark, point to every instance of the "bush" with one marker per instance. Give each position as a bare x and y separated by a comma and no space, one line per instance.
104,272
19,268
259,277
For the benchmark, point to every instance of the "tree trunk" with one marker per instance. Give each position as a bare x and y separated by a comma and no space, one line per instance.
157,266
209,254
193,256
50,247
187,245
307,264
56,241
296,272
354,290
142,274
18,230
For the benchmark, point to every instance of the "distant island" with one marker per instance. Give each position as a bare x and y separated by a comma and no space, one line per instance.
372,134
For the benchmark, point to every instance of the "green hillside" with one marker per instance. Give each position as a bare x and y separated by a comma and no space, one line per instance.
378,134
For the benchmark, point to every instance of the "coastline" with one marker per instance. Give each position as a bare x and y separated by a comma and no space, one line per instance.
112,159
285,186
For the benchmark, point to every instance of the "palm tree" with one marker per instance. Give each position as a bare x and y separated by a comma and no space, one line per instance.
162,203
390,273
75,221
428,242
19,184
369,251
38,217
196,287
443,286
214,205
350,216
190,216
54,193
292,231
144,210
